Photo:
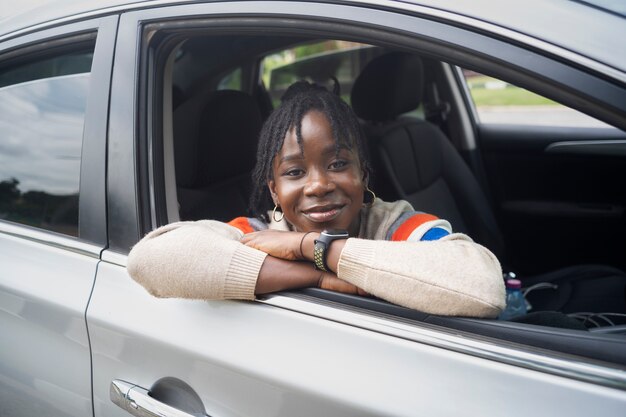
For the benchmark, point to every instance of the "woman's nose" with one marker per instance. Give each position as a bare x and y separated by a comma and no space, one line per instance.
318,184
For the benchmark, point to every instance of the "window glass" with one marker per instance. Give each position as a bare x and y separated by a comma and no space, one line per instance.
42,108
232,81
318,63
71,63
497,101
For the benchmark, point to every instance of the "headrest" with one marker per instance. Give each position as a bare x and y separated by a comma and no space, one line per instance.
227,137
388,86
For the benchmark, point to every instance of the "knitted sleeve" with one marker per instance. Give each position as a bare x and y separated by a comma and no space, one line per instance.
199,260
451,276
423,266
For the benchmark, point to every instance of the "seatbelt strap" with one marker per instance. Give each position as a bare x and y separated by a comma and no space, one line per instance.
435,110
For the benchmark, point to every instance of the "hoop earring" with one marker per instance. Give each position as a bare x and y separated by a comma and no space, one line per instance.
371,202
274,214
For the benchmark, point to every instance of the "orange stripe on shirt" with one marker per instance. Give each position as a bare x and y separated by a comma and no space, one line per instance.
242,224
410,224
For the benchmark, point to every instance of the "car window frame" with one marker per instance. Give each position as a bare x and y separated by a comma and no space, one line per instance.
92,236
470,48
233,16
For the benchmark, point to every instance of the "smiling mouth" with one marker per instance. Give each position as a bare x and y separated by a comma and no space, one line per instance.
323,214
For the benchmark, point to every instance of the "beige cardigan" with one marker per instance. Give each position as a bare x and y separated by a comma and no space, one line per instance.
204,260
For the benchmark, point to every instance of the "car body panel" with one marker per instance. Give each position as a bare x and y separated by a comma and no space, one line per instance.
247,358
551,21
227,352
44,351
555,22
46,278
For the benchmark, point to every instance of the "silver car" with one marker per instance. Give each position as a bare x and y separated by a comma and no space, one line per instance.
106,133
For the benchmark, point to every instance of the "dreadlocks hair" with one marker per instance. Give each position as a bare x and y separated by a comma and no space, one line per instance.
299,99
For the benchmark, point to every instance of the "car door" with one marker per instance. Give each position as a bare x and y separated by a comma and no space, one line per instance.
293,353
552,172
53,105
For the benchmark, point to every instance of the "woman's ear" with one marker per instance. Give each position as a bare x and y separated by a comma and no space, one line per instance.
365,178
271,185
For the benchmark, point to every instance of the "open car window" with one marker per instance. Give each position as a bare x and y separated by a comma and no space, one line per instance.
209,176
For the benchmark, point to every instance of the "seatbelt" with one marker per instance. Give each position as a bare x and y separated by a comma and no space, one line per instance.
436,111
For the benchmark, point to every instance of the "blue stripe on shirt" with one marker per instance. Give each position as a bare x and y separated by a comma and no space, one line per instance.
435,233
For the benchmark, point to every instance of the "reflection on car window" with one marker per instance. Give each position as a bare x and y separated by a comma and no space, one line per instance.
497,101
41,120
66,64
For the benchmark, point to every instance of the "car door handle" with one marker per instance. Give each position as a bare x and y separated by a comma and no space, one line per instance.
138,402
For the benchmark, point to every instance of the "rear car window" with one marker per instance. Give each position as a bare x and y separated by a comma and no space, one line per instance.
42,109
319,63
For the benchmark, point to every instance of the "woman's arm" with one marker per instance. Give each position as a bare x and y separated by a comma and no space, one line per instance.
279,275
199,260
205,260
449,276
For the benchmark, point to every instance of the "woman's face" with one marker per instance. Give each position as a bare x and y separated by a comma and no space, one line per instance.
317,189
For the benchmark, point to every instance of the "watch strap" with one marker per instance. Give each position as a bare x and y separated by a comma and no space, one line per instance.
319,256
320,250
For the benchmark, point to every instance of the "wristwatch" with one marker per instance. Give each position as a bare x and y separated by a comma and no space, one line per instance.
320,250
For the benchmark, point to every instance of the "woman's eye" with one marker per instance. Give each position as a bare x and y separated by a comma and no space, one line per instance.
338,164
293,172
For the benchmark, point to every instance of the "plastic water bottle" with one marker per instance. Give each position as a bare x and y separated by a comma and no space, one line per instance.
515,303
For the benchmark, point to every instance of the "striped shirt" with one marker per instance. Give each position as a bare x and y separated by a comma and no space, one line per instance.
389,221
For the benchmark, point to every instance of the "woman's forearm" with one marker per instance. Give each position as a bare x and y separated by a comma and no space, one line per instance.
451,276
198,260
279,275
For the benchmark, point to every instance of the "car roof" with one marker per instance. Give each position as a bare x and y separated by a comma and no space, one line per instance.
592,29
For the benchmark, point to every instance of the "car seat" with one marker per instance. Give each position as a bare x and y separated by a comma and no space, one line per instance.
215,151
420,164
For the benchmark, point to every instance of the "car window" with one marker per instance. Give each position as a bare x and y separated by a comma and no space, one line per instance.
42,107
318,62
498,101
214,139
231,81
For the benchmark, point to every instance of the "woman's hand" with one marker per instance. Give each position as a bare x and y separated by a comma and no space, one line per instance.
329,281
286,246
277,243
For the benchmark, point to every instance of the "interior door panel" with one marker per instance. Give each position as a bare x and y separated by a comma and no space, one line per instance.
559,193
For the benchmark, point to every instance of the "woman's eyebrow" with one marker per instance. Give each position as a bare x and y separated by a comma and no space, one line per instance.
291,157
329,150
333,149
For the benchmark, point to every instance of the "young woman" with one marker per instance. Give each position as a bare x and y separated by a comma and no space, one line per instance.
326,229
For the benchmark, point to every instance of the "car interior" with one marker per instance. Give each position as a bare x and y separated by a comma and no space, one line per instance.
555,220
